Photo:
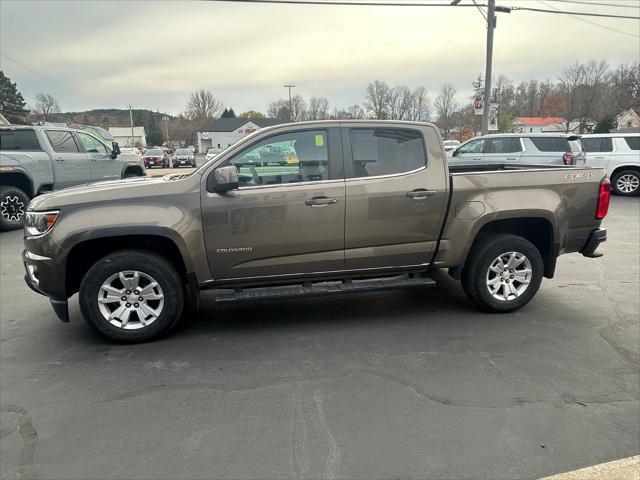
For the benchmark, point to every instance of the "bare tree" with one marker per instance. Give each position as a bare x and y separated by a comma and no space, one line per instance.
420,108
445,105
46,105
203,105
583,86
624,89
318,109
377,100
280,109
400,99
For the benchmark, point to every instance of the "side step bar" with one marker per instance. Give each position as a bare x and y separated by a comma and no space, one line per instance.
324,288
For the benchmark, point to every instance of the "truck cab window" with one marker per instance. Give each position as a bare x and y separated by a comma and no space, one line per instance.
386,151
91,145
288,158
23,140
62,141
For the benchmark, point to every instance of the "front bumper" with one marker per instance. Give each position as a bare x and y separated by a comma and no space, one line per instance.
43,276
597,236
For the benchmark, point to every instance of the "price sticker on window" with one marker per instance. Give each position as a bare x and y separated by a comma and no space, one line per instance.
320,140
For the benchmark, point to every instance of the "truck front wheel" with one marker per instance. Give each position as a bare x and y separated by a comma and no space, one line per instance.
503,273
132,296
13,206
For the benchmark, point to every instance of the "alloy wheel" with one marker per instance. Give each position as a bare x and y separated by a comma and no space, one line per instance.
628,183
130,300
509,276
12,208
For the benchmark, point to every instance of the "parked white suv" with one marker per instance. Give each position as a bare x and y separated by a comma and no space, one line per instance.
619,154
529,148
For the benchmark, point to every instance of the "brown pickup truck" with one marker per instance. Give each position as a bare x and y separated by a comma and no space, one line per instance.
313,208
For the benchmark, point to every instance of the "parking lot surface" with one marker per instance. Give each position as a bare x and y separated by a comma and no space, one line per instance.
397,384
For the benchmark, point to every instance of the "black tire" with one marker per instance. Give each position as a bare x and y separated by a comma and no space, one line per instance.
633,176
476,272
13,207
146,263
131,175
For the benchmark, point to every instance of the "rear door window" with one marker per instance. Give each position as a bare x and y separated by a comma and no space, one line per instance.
551,144
503,145
633,142
386,151
24,140
597,144
62,141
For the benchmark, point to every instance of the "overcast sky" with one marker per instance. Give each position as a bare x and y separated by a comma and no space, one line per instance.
94,54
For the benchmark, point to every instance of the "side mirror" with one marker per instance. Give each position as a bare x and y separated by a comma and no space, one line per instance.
223,179
115,150
455,153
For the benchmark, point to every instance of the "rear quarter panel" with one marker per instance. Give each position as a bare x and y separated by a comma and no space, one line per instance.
565,197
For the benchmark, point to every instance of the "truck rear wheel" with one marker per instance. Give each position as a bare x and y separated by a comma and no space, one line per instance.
503,273
132,296
13,207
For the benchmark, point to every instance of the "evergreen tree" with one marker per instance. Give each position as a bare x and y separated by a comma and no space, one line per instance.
228,113
12,104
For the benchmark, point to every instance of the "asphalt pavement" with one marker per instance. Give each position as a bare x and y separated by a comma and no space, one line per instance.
396,384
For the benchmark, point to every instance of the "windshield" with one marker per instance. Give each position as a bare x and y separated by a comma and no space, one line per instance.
183,151
154,152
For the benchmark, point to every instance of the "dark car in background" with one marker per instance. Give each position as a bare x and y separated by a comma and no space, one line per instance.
184,157
156,157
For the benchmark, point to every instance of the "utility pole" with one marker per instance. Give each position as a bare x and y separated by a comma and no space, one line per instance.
290,102
491,25
133,140
166,130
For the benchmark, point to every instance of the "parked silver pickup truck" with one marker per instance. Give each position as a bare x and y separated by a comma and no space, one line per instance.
350,206
38,159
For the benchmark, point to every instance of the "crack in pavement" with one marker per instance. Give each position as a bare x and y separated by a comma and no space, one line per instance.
26,467
419,391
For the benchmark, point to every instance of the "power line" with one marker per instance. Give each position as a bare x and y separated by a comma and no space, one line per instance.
596,4
28,68
357,3
480,10
594,23
566,12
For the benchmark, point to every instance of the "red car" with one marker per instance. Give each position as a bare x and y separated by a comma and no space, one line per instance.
155,157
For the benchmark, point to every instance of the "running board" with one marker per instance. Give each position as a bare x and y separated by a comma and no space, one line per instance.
324,288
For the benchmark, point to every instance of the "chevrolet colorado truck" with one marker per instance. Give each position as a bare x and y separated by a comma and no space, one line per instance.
37,159
366,205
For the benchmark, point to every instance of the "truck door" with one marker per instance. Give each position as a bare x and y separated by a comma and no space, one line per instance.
101,165
597,150
287,216
395,195
469,153
70,163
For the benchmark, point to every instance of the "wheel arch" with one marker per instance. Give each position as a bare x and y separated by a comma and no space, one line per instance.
85,253
621,168
539,230
18,179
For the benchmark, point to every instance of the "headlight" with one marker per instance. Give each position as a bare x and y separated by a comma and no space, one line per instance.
39,223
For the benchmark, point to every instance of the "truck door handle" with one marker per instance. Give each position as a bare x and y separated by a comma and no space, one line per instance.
419,193
599,158
59,159
320,201
511,159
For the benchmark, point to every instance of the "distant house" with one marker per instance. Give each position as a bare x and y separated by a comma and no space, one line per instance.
124,136
224,132
537,124
628,120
